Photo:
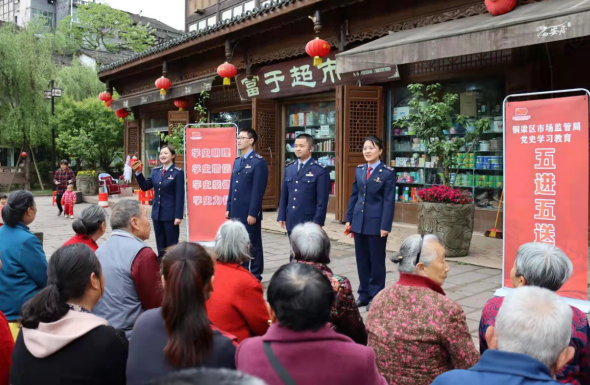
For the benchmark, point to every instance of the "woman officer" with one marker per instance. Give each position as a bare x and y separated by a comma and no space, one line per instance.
369,216
168,204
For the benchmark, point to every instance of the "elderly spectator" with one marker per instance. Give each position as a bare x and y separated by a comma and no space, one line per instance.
311,245
131,268
416,331
546,266
61,342
24,271
300,347
179,335
89,227
528,345
237,305
204,376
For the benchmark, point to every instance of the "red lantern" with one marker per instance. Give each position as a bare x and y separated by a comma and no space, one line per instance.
163,84
317,48
105,97
227,71
122,114
24,154
109,103
181,104
500,7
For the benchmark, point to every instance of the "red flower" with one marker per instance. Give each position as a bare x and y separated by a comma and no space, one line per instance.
444,194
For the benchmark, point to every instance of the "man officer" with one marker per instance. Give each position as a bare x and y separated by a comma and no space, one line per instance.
248,184
306,188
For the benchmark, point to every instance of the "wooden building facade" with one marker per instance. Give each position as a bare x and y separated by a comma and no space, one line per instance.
279,93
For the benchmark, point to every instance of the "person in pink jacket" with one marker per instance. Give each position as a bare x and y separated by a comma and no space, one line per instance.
300,347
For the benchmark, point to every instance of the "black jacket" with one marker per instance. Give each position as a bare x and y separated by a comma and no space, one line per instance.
98,357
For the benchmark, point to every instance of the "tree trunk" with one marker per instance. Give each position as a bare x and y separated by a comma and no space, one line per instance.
28,173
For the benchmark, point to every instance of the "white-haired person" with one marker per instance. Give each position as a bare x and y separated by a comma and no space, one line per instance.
416,331
237,305
527,346
546,266
311,245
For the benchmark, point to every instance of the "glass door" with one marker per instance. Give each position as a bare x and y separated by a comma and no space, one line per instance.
151,155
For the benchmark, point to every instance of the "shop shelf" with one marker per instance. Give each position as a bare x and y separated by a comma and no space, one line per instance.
483,169
408,151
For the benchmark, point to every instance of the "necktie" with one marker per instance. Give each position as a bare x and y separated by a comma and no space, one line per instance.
299,168
163,171
369,172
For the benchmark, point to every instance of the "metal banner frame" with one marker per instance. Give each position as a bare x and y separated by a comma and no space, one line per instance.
503,291
200,125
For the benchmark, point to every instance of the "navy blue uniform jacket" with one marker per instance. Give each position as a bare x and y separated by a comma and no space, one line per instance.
304,198
372,202
248,184
168,203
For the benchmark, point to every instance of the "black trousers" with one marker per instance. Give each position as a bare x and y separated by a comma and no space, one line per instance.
58,201
370,262
166,235
255,265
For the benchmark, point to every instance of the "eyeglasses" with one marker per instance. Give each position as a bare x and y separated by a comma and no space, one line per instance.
419,250
243,138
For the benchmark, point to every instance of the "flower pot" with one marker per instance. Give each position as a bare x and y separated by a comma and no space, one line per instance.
87,185
452,224
179,161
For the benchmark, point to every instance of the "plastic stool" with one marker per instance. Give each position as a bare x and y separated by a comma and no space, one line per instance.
54,194
144,196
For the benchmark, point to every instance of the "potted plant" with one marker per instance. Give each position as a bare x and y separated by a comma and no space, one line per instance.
444,210
87,182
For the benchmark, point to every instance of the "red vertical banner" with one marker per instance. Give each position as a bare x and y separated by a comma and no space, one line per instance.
546,182
209,156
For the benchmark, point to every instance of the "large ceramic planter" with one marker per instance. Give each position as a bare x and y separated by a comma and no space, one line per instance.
452,224
179,161
87,185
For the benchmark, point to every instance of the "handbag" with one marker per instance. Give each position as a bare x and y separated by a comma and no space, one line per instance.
276,365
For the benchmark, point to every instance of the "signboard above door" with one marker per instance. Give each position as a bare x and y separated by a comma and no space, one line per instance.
300,77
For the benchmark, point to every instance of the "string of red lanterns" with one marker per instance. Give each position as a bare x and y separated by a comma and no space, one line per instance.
181,104
122,113
106,98
163,84
227,71
500,7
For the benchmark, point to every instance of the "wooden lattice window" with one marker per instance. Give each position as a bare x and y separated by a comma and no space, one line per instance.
133,137
364,116
461,63
266,130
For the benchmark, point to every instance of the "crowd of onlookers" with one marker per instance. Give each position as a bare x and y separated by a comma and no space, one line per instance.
115,314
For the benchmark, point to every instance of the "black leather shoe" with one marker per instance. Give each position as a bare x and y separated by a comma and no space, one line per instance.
369,305
360,303
59,213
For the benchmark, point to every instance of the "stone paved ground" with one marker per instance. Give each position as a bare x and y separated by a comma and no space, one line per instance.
471,286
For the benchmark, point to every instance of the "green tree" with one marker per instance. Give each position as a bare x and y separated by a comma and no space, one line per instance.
79,82
101,27
89,133
25,70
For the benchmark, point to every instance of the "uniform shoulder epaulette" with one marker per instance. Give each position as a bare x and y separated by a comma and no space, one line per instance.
177,168
290,163
388,168
360,166
259,156
319,164
238,157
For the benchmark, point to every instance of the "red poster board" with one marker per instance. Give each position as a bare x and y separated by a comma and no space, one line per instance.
209,158
546,182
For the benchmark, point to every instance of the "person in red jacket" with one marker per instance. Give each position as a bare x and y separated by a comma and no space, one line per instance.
6,347
237,305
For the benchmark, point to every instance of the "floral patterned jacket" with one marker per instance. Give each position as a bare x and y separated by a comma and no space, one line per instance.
418,333
346,318
576,372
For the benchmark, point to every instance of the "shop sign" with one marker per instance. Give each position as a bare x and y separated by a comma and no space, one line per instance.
300,77
209,155
546,183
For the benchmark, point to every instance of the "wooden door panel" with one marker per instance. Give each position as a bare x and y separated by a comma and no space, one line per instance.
361,111
132,141
265,120
177,117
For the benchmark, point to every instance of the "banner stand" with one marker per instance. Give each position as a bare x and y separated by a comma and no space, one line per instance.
186,187
583,305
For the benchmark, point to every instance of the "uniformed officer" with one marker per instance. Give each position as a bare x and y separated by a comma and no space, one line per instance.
369,217
306,188
168,203
248,184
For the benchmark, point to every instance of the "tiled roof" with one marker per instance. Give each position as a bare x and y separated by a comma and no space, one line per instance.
274,4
